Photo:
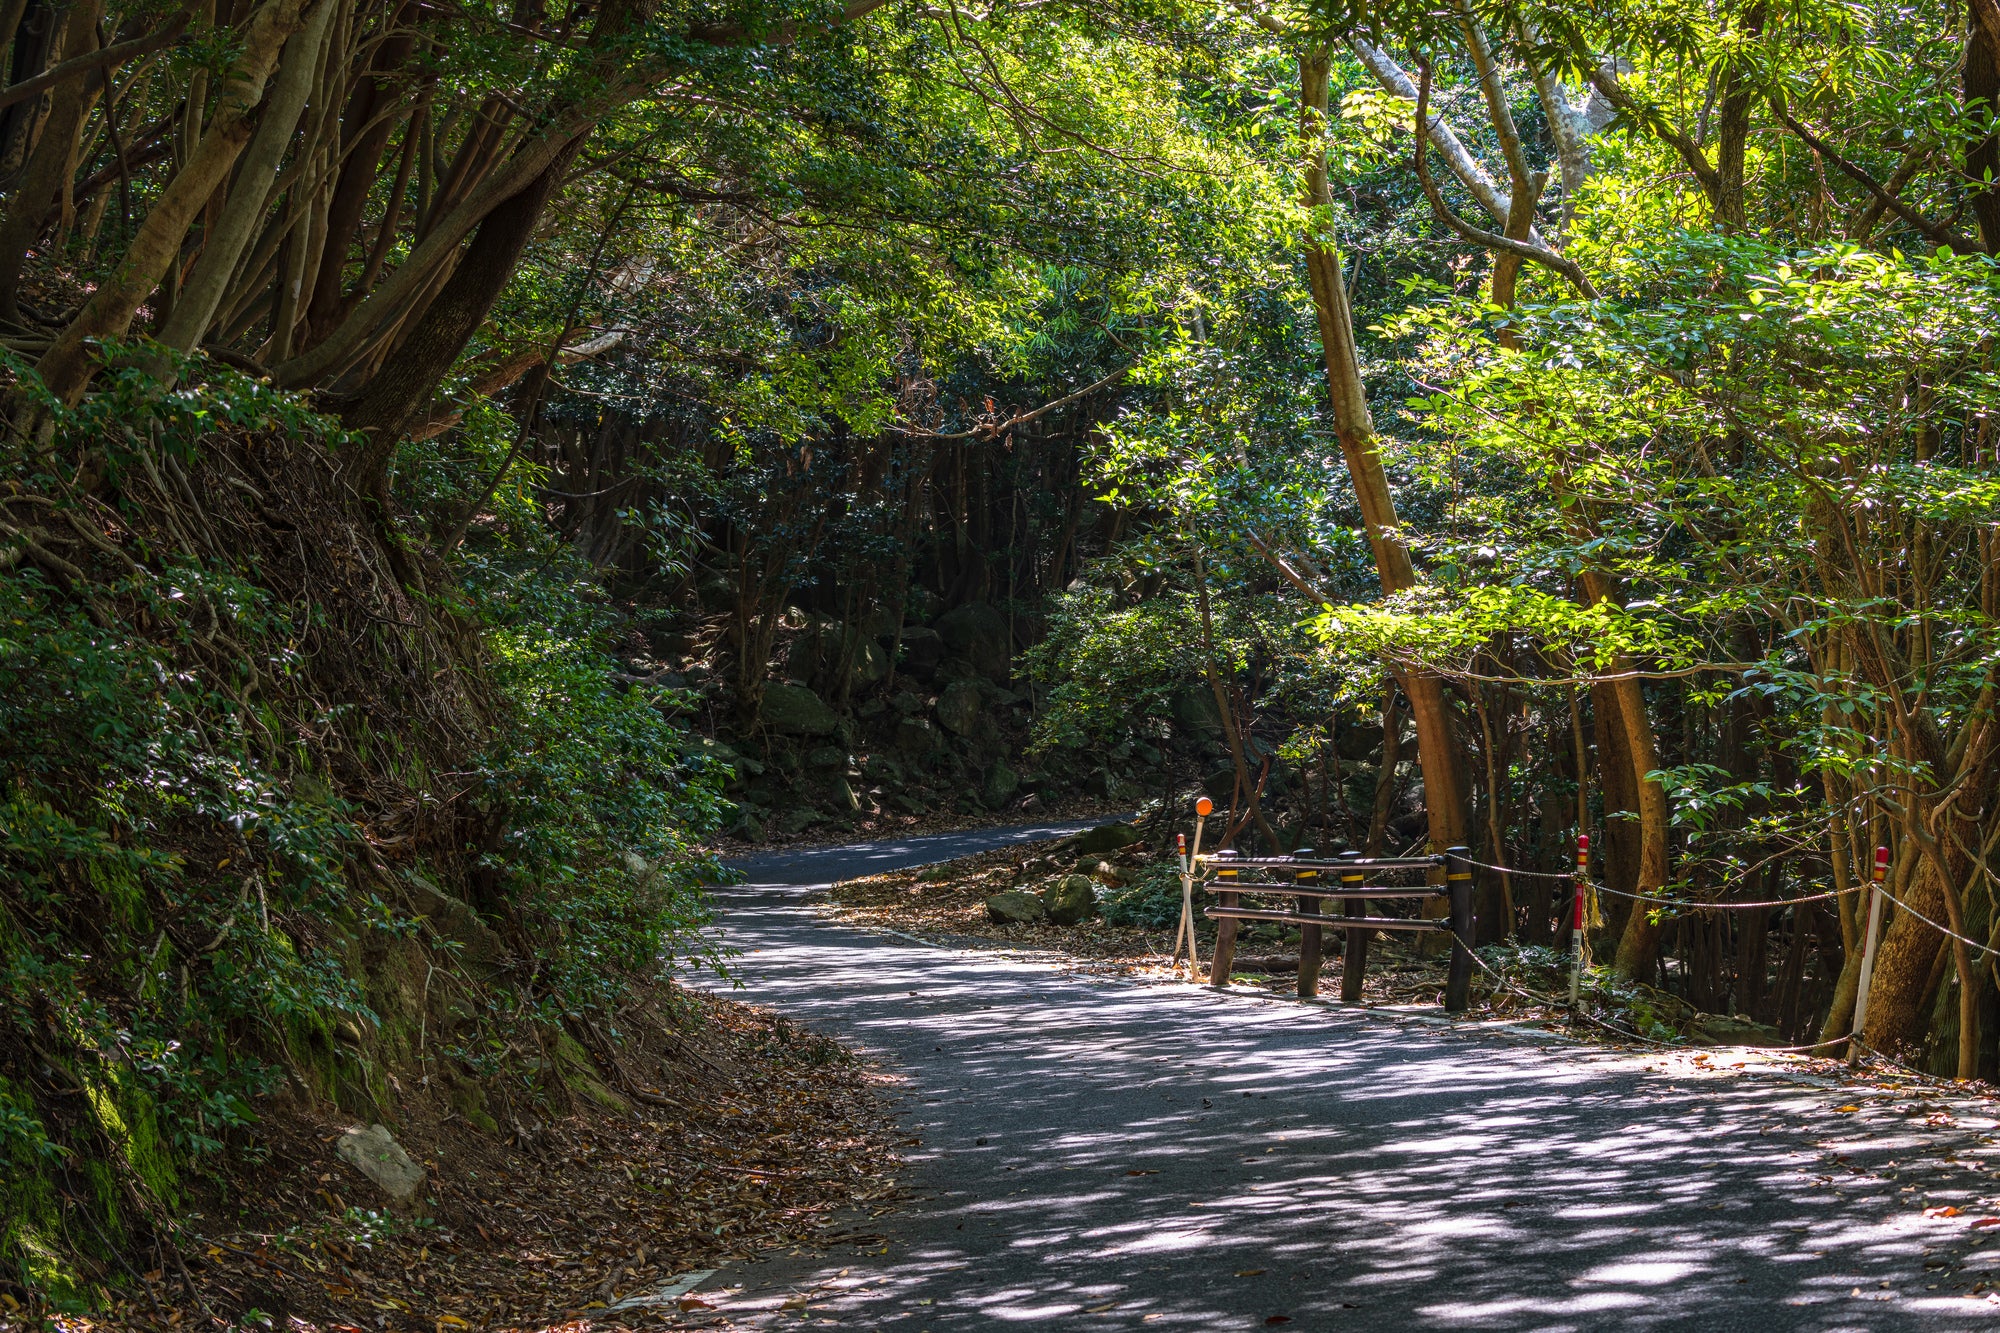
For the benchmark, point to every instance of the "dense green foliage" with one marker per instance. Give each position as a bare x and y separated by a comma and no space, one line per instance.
214,817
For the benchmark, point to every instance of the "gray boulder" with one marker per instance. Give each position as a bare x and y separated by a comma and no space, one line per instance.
794,710
1362,742
816,655
802,658
870,664
1732,1030
923,649
1001,784
797,820
916,737
481,945
1070,899
959,707
375,1153
1100,870
1195,715
1015,908
742,766
878,622
978,633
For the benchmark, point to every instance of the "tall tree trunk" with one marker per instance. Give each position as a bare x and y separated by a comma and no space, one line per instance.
48,166
66,368
1981,83
406,382
223,247
36,30
364,136
1437,743
1639,942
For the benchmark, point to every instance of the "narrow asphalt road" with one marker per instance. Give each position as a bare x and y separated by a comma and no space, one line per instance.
1100,1154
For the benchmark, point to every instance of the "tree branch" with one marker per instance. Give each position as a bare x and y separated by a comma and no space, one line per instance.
1492,240
1497,202
995,429
1936,233
109,57
1605,80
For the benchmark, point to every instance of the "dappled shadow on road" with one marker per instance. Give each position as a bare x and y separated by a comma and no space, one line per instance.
1104,1155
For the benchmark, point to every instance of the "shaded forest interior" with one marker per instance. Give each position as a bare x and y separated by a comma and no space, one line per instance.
467,467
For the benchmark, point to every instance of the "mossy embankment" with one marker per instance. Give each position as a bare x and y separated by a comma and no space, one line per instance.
297,824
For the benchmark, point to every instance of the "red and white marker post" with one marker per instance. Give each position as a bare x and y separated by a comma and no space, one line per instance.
1576,918
1876,895
1203,808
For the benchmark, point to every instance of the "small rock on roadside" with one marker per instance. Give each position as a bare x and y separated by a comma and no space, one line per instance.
375,1153
1001,784
1070,899
1014,907
1100,870
1104,838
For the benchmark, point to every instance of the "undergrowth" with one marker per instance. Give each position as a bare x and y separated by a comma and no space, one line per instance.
1151,900
252,753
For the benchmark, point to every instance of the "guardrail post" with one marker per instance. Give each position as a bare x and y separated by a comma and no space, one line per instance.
1458,886
1225,931
1309,936
1354,947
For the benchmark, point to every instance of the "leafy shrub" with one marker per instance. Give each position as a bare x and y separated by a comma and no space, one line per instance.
1151,899
204,741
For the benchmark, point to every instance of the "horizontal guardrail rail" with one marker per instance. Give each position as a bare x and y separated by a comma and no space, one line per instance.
1309,881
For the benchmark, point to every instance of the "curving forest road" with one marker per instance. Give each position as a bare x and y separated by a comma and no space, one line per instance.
1100,1154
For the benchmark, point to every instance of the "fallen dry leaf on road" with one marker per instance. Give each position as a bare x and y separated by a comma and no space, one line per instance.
1946,1211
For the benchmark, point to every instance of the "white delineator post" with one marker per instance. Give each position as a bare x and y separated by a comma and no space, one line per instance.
1576,918
1876,894
1187,897
1202,808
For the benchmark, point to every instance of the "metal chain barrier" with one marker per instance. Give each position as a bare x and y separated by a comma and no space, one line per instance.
1946,931
1673,902
1695,905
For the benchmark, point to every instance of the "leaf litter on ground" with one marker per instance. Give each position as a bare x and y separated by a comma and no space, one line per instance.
759,1135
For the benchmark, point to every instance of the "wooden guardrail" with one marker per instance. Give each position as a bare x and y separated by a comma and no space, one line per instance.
1307,883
